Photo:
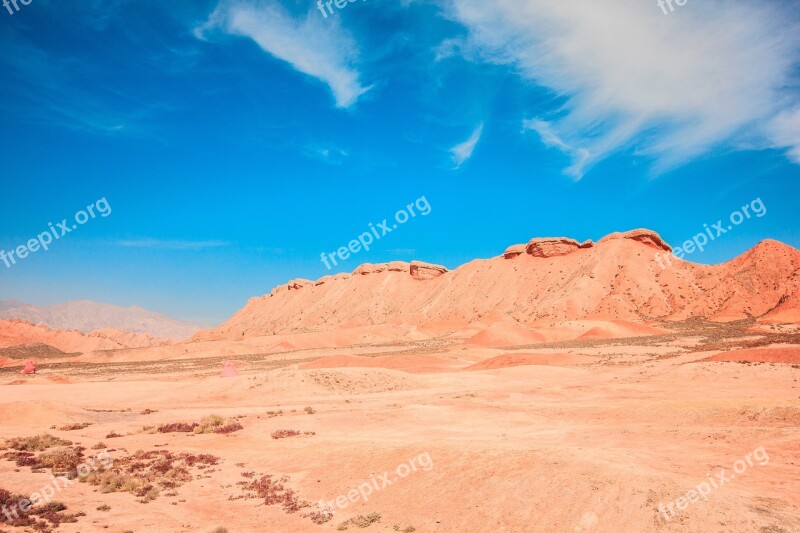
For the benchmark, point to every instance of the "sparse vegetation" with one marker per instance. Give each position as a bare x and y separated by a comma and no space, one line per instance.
62,461
104,508
217,424
360,521
75,427
145,474
274,493
310,410
43,519
113,435
209,424
177,427
319,517
100,446
36,444
284,433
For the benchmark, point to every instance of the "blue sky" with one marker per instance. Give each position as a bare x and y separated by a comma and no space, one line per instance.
235,141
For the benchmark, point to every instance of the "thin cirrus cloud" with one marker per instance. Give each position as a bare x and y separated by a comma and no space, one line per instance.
171,245
712,74
461,153
311,45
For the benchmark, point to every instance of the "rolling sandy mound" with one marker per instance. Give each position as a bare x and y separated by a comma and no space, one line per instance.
504,334
525,359
415,364
618,278
619,329
789,355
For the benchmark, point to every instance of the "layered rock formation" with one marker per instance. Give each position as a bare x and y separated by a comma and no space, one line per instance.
554,279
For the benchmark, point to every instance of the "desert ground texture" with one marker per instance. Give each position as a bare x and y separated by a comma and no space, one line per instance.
534,391
450,433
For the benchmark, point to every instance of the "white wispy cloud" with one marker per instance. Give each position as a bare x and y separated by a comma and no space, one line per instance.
312,45
171,245
463,151
711,74
580,156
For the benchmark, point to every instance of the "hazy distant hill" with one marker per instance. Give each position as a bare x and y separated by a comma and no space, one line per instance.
87,316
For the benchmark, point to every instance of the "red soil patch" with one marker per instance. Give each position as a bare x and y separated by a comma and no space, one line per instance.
789,355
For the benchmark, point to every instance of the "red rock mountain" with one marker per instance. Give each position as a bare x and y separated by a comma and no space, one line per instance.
19,333
553,279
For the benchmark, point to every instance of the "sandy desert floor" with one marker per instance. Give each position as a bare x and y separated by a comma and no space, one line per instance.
575,436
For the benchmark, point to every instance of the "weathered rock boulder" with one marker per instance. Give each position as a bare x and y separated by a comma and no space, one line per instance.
368,268
425,271
323,280
645,236
514,251
299,283
554,247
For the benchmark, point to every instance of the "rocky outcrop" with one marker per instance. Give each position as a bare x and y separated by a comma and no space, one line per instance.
394,266
299,283
645,236
323,280
554,247
514,251
425,271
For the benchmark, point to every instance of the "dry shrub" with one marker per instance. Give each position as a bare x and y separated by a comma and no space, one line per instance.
75,427
177,427
145,474
274,493
44,518
360,521
284,433
38,443
217,424
62,461
320,517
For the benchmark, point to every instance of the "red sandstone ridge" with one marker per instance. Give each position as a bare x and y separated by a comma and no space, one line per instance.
617,278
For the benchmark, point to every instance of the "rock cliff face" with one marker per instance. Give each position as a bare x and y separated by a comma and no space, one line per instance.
394,266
